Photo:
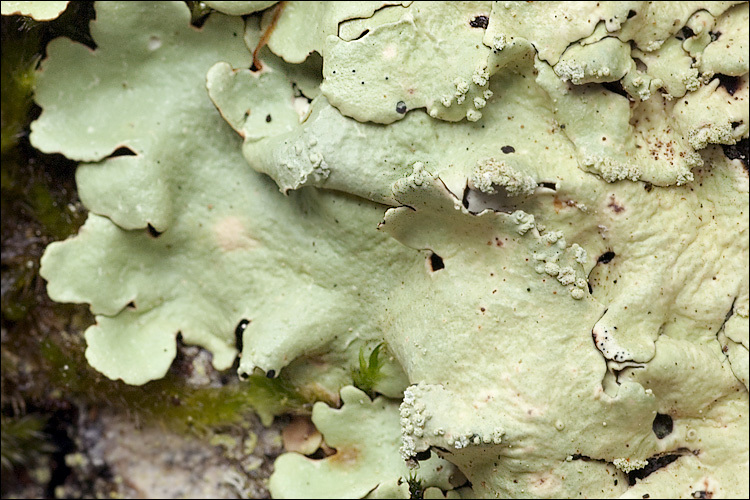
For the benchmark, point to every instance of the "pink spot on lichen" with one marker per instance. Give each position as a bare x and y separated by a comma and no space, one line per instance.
231,234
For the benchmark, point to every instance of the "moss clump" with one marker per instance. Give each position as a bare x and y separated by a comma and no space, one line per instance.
369,372
416,486
22,440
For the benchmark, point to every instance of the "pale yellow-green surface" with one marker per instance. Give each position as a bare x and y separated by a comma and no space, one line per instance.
529,203
41,11
239,8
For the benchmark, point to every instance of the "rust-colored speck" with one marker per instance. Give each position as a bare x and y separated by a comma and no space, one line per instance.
344,457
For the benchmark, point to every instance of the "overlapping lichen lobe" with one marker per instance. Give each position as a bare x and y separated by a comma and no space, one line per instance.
300,435
257,65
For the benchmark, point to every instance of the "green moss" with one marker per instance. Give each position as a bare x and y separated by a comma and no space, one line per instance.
37,190
171,401
22,440
20,53
369,372
416,486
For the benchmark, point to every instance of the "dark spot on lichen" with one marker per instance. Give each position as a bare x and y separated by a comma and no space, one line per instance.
687,32
662,425
730,83
465,198
631,14
739,151
122,151
648,187
615,87
654,464
152,231
548,185
508,149
268,118
238,333
606,257
436,262
423,455
702,494
362,34
401,107
271,373
714,35
480,22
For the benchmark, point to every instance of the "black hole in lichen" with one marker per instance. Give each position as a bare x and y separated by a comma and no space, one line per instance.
131,305
591,289
362,34
244,375
152,231
320,454
662,425
687,32
465,199
730,83
271,373
268,118
254,68
739,151
238,333
702,494
615,87
508,149
654,464
423,455
631,14
401,107
480,22
442,450
199,13
122,151
714,35
606,257
436,262
548,185
648,187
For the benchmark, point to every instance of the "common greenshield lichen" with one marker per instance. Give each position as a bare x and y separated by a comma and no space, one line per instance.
536,218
